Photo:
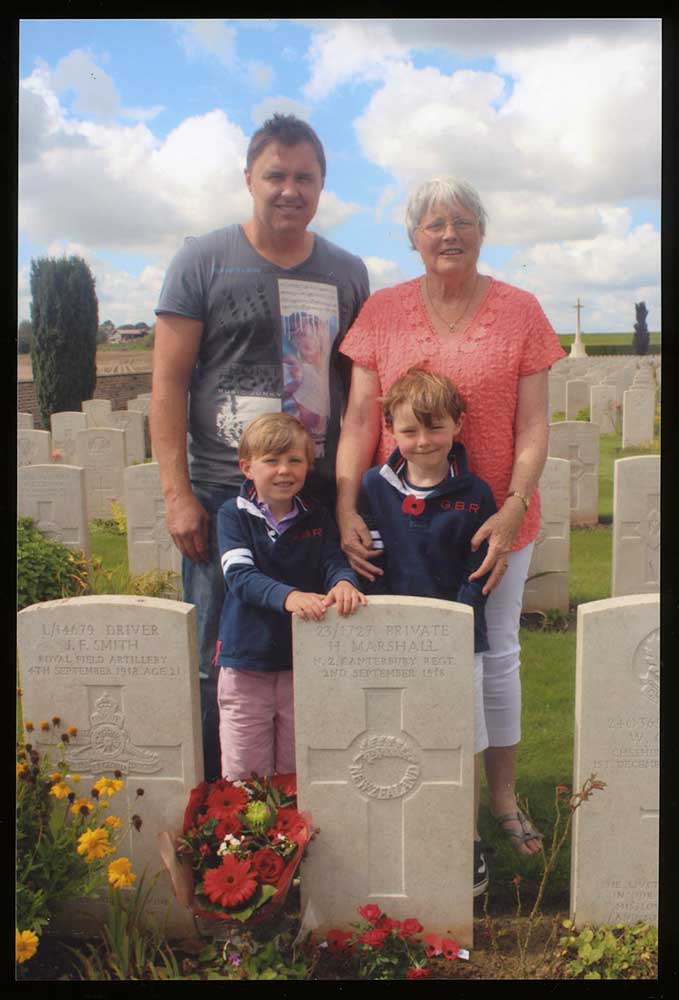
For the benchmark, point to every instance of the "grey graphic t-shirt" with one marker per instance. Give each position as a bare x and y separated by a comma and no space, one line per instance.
270,338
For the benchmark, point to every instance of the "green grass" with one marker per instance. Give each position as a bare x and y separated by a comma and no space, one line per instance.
606,338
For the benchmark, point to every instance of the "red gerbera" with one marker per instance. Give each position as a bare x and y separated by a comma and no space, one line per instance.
338,940
268,865
227,825
410,926
286,783
370,912
288,821
417,973
226,800
231,883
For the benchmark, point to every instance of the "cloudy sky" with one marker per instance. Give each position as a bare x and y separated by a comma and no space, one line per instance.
133,135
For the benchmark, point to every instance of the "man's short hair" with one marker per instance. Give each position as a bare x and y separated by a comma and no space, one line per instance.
272,434
429,395
289,131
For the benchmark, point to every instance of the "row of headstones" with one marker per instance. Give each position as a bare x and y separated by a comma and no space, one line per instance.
569,494
61,502
385,744
60,443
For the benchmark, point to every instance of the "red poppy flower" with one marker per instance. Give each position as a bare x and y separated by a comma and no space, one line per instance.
231,883
226,826
370,912
374,938
417,973
268,865
338,940
410,926
434,944
286,783
226,800
450,948
413,505
196,799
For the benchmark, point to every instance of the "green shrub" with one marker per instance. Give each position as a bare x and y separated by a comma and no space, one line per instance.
46,570
583,414
620,951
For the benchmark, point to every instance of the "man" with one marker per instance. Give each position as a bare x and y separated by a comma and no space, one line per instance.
227,307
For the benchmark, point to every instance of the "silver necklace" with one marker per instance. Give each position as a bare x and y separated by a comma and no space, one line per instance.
451,324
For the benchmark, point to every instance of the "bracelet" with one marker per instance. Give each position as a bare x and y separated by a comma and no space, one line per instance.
522,497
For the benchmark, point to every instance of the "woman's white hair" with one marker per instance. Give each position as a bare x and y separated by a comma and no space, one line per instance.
443,191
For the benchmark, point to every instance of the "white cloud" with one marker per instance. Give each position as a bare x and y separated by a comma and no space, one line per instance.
332,211
383,273
279,105
211,36
350,51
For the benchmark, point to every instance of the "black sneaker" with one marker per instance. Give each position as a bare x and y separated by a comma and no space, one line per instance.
480,870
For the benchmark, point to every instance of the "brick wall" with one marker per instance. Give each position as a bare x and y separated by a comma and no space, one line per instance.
119,388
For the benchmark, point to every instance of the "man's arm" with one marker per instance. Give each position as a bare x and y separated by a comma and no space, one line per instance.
175,350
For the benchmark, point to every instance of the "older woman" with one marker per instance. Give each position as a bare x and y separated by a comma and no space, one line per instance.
495,343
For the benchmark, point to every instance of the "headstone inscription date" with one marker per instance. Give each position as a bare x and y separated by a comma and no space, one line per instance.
384,720
123,671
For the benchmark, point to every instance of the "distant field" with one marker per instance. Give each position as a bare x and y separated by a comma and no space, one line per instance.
605,338
109,360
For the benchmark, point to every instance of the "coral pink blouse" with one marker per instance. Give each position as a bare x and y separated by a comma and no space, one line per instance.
508,337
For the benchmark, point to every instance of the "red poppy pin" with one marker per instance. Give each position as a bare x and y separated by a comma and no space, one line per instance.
412,505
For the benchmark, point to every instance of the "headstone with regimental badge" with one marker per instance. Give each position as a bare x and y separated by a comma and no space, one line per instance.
149,544
636,526
34,447
54,497
578,441
123,670
614,858
384,719
101,453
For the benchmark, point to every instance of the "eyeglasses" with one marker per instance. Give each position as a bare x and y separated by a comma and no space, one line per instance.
439,226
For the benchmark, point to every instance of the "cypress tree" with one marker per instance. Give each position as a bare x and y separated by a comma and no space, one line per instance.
64,314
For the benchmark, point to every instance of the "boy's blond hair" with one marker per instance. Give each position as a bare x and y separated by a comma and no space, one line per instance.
274,433
427,393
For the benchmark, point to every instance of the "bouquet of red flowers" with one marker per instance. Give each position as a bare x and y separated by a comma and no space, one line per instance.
243,841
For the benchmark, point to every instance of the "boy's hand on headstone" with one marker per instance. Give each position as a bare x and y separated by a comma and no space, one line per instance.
306,606
346,597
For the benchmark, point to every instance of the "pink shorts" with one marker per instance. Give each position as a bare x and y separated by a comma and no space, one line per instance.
256,722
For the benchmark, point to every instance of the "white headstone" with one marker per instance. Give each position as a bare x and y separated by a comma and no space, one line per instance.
384,719
547,583
24,421
636,526
614,860
577,397
638,413
34,447
65,426
578,441
54,496
557,395
101,452
97,411
603,409
149,544
132,422
124,671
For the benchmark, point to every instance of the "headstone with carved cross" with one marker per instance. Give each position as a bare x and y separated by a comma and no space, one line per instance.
384,720
54,497
578,441
123,670
636,526
638,414
614,861
149,544
65,425
547,582
101,452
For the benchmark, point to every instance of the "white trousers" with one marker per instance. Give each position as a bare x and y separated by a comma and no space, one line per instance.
501,680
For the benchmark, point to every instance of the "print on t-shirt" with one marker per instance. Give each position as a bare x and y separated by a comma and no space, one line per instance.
310,322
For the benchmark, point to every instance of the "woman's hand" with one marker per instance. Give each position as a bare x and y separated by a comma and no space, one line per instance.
357,544
500,529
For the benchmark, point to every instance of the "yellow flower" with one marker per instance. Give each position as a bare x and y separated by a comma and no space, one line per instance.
113,821
108,786
120,873
74,777
55,777
94,844
26,945
60,790
81,804
21,769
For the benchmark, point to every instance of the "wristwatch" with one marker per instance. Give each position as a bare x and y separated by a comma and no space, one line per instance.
522,497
